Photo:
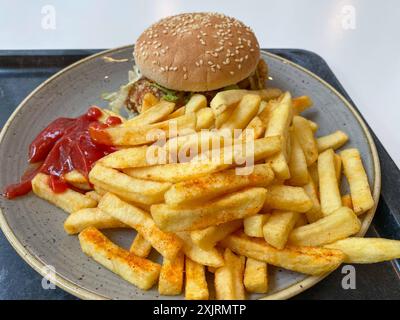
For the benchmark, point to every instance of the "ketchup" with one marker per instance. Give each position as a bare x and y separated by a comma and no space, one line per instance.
64,145
112,121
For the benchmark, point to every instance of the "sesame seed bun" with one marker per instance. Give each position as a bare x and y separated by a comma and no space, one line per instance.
197,52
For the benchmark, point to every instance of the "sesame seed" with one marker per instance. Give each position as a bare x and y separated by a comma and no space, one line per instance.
232,73
185,76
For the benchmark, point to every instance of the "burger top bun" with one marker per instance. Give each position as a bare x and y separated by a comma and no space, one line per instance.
197,52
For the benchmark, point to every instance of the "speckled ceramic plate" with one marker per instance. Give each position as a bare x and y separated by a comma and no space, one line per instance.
35,228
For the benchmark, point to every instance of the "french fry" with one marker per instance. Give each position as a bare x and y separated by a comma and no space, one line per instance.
171,276
205,119
141,272
91,217
328,184
347,202
221,118
196,287
149,101
177,113
94,195
313,170
278,124
301,104
253,226
124,197
287,198
358,181
255,276
315,212
340,224
136,190
254,130
338,168
216,184
155,114
126,158
234,206
77,179
297,163
256,151
332,141
263,106
313,125
225,99
143,134
307,260
195,103
243,113
223,283
207,238
140,246
367,250
278,227
288,148
69,200
208,257
174,172
236,264
167,244
265,110
229,278
305,136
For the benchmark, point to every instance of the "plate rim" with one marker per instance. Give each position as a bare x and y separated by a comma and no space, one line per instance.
294,289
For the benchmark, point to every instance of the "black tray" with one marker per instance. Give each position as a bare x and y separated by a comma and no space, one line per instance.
22,71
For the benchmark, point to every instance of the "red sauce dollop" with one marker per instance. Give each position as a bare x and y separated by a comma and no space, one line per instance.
64,145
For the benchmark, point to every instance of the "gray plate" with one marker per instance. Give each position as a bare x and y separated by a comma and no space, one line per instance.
35,228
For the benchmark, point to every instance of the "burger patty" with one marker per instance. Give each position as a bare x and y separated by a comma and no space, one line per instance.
142,86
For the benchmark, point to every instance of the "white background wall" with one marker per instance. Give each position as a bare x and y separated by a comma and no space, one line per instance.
362,49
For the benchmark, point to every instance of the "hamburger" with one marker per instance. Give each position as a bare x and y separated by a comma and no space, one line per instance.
192,53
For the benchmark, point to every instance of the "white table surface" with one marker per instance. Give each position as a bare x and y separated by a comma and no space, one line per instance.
359,39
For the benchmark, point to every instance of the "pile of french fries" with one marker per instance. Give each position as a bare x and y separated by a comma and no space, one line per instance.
202,216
